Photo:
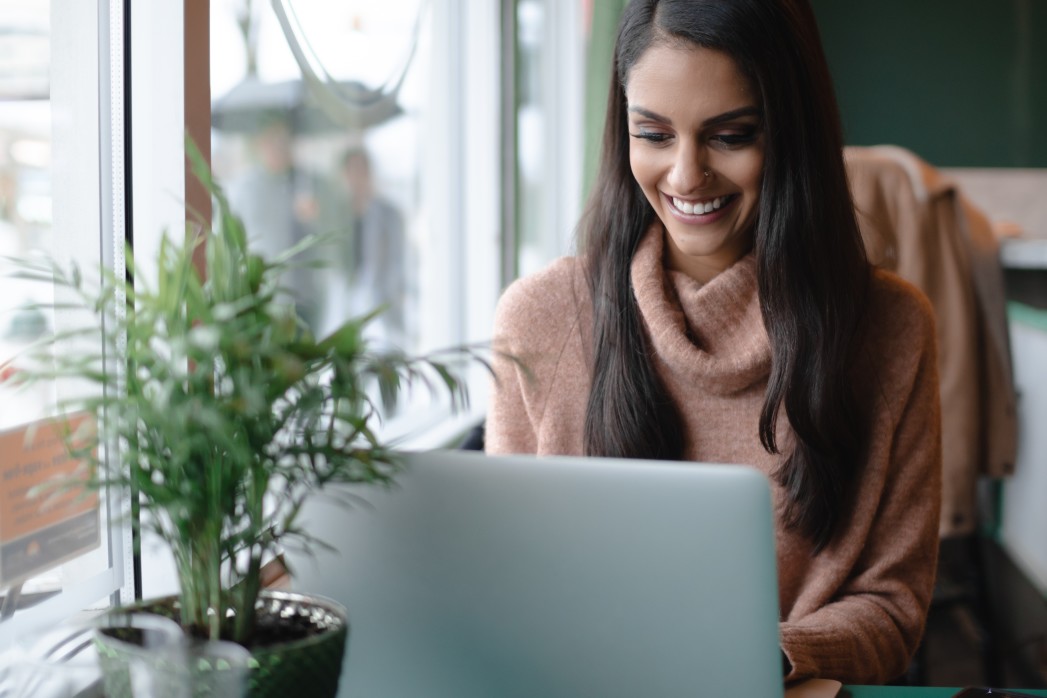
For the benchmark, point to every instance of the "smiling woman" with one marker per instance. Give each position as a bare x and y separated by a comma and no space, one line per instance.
722,310
697,153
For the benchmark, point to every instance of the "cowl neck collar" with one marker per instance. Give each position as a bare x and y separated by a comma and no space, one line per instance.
709,335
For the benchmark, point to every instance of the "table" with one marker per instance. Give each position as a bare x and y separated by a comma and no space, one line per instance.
911,692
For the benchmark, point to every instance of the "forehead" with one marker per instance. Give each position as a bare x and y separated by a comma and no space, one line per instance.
688,81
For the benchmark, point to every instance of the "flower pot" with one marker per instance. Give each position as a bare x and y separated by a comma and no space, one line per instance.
311,665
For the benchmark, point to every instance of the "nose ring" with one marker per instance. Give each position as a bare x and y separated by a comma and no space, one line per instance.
708,173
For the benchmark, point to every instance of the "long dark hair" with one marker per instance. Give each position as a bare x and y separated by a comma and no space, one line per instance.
811,265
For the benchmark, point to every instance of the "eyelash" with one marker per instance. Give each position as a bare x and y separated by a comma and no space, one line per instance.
734,140
728,141
651,136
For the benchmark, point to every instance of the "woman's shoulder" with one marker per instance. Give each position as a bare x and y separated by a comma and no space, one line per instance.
899,333
897,304
544,299
539,319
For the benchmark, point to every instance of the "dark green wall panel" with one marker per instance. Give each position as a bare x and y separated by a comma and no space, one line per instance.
963,83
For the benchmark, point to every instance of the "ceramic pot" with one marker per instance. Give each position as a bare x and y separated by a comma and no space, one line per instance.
311,666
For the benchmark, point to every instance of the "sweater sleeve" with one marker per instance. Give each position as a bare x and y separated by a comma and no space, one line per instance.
870,630
535,327
508,427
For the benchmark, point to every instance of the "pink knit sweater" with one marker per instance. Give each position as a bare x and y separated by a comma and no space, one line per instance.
856,611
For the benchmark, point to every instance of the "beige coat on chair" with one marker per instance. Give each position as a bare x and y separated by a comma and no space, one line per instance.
917,223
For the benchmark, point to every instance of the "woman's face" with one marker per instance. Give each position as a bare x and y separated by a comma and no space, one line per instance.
696,149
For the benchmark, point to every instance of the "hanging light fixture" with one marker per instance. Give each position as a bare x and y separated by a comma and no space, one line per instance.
350,104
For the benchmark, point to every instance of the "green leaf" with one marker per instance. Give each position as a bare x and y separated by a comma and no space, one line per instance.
228,413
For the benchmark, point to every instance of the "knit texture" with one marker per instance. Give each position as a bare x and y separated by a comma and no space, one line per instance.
856,611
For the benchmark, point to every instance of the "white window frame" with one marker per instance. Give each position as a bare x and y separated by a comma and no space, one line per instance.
87,128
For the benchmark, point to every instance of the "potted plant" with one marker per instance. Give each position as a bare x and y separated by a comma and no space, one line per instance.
229,415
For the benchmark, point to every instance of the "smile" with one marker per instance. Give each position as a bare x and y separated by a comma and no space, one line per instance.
698,208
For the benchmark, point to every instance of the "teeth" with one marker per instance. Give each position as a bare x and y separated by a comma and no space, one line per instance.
699,208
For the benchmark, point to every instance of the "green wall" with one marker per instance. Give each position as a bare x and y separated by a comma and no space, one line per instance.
963,83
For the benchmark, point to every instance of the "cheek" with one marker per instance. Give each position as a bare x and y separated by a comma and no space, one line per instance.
644,170
752,175
636,165
745,173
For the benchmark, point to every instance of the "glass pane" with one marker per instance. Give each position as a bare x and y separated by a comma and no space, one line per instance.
316,131
549,90
49,203
374,124
25,187
532,215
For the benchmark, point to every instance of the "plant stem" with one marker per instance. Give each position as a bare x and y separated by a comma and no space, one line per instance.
245,616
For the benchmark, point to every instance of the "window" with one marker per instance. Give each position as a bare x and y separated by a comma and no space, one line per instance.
59,117
375,125
549,50
435,158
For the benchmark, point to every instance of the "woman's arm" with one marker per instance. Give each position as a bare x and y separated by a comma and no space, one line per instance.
869,632
509,428
540,381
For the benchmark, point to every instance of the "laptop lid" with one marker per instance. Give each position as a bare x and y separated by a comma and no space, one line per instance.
516,576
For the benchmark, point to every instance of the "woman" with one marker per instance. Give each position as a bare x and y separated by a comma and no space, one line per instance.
721,309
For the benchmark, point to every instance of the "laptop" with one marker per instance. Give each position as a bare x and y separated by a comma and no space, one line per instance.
518,576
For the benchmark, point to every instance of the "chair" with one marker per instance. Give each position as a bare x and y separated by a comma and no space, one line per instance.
916,222
472,439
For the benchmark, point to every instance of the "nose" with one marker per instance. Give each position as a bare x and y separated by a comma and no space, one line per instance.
688,170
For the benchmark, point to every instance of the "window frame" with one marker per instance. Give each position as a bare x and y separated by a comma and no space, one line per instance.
87,184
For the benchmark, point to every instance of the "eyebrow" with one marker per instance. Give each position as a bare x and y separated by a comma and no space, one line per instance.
711,121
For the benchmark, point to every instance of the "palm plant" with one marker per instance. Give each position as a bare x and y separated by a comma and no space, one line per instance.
230,414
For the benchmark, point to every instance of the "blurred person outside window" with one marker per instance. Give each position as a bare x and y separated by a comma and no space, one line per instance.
375,255
281,203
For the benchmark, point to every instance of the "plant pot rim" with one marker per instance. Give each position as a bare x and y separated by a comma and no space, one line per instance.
336,620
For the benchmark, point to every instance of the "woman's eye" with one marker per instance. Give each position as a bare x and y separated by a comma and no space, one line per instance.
652,136
733,140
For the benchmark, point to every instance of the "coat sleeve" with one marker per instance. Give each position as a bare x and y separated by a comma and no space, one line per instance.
870,630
